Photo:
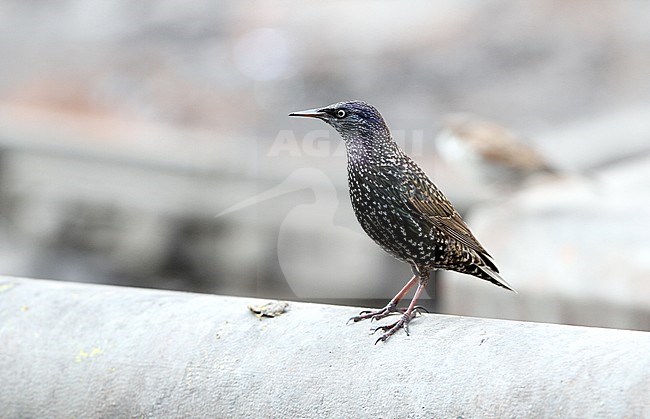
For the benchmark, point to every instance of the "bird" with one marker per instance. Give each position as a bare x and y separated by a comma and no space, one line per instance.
401,209
492,158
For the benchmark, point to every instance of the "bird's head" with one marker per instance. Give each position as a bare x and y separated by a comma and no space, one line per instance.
352,119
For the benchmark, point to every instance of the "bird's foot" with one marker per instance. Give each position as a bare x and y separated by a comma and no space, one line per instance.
402,323
389,310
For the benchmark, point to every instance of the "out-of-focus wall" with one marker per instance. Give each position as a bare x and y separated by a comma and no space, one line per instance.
127,127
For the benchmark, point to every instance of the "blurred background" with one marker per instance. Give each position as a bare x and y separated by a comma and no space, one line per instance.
147,144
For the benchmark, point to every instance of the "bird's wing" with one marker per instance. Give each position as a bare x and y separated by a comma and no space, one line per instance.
433,206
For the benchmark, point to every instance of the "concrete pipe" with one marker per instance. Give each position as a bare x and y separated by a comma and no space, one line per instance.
91,351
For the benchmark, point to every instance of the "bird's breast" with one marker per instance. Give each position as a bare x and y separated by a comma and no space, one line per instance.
380,205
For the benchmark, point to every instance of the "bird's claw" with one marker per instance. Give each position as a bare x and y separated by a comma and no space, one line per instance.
374,329
390,309
402,323
418,310
390,329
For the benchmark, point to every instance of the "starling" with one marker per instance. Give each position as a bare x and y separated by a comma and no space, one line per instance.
498,156
401,209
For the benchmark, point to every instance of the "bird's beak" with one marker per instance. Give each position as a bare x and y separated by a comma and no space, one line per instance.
310,113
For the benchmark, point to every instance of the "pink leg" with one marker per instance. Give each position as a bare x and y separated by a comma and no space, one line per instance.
406,317
418,292
396,299
390,308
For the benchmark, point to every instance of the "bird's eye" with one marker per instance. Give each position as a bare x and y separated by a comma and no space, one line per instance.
340,113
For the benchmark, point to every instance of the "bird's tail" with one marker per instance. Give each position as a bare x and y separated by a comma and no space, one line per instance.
485,272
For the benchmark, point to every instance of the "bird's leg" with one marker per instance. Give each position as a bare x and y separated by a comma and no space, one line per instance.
403,322
391,307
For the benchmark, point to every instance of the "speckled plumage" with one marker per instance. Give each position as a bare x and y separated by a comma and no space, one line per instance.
399,207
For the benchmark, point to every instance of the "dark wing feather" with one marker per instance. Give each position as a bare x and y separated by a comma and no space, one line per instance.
452,225
433,206
426,200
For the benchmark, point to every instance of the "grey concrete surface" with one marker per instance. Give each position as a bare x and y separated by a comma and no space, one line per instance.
83,350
